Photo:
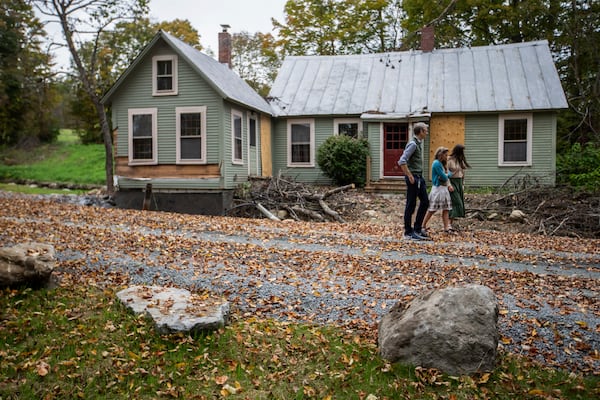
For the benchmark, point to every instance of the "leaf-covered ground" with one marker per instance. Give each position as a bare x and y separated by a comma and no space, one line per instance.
343,274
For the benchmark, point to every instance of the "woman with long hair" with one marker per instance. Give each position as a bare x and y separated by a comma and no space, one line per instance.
457,164
439,197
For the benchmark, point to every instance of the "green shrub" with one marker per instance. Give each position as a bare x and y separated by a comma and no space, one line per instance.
344,159
580,167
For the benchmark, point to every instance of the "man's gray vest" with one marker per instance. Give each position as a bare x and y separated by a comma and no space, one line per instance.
415,162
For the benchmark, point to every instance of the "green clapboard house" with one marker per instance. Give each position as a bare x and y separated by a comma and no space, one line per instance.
188,130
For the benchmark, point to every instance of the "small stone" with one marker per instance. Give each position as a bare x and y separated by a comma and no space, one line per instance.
176,310
517,216
492,216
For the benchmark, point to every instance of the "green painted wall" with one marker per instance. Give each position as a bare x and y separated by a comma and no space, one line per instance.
481,141
234,174
481,149
310,175
373,134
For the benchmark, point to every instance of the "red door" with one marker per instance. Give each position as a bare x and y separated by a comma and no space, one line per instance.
395,137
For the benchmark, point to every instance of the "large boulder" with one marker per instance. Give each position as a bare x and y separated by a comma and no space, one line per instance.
453,329
26,264
176,310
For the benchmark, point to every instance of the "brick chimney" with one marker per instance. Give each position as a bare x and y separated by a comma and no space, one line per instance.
225,46
427,39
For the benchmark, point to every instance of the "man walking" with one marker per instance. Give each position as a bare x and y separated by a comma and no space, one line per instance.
411,163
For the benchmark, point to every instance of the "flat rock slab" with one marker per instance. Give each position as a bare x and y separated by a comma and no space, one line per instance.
176,310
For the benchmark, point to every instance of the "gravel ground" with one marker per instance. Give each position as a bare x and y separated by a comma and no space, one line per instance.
332,274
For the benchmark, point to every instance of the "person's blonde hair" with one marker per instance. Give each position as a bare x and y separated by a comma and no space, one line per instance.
439,151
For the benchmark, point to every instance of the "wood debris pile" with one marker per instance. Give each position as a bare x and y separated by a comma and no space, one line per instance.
549,211
280,198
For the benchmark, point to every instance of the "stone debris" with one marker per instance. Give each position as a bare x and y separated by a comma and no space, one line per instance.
176,310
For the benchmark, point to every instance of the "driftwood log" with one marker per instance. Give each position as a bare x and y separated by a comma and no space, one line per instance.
28,264
299,201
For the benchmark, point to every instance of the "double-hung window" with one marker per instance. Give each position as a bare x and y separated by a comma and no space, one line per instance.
349,127
515,140
301,143
142,136
191,134
164,75
236,137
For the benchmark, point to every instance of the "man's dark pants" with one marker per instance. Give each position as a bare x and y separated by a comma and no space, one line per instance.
414,191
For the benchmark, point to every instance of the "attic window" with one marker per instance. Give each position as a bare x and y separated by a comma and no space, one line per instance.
164,75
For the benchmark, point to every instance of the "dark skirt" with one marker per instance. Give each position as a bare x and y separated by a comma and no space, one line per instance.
458,198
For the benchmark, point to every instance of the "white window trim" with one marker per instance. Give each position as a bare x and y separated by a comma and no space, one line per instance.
236,113
253,116
174,90
191,110
528,161
338,121
139,111
311,123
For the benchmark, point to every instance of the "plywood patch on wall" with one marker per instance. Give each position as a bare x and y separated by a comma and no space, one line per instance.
445,130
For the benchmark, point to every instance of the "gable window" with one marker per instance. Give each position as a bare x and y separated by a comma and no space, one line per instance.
301,143
164,75
515,140
142,136
236,137
349,127
191,134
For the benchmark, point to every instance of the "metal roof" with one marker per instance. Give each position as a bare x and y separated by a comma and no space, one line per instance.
512,77
220,77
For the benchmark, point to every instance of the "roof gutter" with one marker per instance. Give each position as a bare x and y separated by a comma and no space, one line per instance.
382,117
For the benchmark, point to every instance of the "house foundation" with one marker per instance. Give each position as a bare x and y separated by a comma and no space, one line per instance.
196,202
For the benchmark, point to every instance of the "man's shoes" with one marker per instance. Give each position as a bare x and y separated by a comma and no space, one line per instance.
414,236
423,232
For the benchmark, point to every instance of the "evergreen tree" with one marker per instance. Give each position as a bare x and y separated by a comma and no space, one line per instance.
27,95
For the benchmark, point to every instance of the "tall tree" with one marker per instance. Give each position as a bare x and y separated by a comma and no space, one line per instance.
328,27
26,91
256,60
577,46
571,27
78,20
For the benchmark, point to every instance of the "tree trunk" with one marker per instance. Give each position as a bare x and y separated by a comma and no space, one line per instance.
90,84
108,145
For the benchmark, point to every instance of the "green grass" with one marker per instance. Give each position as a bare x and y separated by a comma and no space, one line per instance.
78,342
66,161
28,189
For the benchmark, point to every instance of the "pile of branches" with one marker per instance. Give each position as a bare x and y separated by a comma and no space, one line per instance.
552,211
280,198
